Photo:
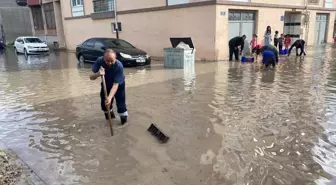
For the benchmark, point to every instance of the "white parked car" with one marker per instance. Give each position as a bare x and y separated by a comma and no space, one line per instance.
30,45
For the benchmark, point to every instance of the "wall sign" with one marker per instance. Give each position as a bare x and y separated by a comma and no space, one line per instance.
282,18
222,13
114,29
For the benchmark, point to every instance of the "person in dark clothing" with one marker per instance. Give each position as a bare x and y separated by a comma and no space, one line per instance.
269,48
233,46
281,42
298,44
276,38
113,70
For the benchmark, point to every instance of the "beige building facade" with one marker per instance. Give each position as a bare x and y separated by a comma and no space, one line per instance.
47,21
148,24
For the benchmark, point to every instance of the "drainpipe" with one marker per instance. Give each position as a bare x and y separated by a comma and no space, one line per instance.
116,18
44,22
307,21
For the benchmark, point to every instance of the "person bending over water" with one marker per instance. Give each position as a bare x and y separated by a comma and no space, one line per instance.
298,44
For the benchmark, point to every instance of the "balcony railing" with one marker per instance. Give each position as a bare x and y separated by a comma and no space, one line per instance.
103,5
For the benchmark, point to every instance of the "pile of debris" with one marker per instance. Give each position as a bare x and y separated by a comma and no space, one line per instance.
9,170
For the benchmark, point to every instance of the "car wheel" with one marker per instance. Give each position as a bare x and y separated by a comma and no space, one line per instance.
25,52
81,58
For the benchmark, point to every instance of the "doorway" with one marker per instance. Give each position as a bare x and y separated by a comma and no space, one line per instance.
241,23
321,28
292,25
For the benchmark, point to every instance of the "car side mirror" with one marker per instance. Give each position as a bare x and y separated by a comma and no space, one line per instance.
103,48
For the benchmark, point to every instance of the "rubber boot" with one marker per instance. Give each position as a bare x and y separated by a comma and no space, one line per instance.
123,119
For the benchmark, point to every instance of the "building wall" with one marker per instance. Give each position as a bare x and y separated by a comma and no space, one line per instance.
121,5
137,4
330,31
16,22
142,30
206,25
59,24
8,3
265,17
282,2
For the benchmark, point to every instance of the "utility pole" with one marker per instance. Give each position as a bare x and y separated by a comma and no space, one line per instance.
116,18
45,27
306,21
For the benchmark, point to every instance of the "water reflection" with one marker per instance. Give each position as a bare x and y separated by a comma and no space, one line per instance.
229,123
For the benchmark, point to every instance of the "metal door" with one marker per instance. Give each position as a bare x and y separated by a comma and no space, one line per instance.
321,28
241,23
292,25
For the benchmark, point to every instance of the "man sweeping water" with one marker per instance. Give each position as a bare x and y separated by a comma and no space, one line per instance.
113,71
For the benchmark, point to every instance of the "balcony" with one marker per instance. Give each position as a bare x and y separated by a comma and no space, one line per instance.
103,5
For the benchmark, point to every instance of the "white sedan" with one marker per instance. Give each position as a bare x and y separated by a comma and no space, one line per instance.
30,45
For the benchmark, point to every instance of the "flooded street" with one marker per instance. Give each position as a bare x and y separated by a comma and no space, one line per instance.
229,123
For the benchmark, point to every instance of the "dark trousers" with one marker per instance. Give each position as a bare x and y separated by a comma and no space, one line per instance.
267,61
254,50
280,47
233,50
276,41
120,97
301,47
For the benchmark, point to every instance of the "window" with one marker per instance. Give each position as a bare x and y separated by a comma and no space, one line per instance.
33,40
103,5
89,43
313,1
176,2
76,3
19,41
77,8
328,3
98,44
49,16
117,43
37,17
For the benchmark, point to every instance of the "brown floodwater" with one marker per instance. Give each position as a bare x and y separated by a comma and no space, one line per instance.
229,123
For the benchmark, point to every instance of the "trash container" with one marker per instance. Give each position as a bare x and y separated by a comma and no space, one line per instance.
179,57
56,45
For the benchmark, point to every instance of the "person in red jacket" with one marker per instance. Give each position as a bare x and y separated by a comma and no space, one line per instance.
288,41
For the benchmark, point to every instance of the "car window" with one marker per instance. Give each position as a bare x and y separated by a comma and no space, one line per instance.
33,40
117,43
89,43
98,44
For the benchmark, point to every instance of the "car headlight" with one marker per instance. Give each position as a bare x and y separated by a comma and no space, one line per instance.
147,56
29,47
125,55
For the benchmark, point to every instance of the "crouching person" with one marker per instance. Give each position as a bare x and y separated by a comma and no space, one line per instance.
113,71
270,55
268,58
298,44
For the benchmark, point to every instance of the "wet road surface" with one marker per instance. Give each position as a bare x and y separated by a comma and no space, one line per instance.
229,123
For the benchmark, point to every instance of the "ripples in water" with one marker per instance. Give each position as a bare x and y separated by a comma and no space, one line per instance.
230,123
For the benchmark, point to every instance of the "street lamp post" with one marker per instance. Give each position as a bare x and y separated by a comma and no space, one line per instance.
116,18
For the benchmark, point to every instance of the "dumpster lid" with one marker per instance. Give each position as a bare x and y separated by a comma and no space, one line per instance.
176,41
